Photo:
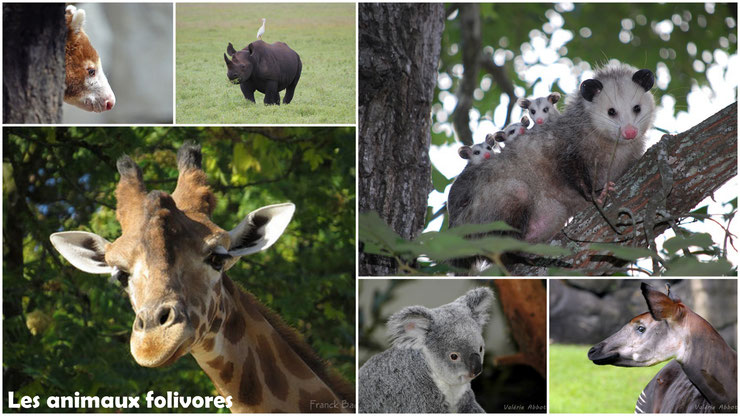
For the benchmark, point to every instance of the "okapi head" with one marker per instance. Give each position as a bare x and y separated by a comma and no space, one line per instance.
170,257
86,86
649,338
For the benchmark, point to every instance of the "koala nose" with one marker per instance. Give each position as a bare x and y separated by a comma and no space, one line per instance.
475,364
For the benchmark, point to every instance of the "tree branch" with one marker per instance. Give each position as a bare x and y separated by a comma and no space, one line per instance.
671,178
471,46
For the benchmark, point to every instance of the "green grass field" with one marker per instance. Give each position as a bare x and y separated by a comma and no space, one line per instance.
322,34
579,386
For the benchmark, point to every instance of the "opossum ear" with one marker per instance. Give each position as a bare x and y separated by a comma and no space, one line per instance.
591,87
525,121
465,152
500,136
230,49
490,139
644,78
554,97
524,103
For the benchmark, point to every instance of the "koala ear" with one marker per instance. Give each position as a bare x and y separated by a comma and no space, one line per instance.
554,97
524,103
479,301
465,152
408,328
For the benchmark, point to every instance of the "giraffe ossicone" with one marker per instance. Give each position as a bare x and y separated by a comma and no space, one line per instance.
172,260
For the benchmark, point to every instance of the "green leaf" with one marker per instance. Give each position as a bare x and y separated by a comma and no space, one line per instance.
470,229
673,244
623,252
439,180
691,266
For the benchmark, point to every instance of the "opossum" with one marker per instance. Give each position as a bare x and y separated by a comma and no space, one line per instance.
543,109
511,132
477,153
535,185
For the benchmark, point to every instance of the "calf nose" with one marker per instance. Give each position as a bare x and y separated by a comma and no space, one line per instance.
161,316
110,102
475,364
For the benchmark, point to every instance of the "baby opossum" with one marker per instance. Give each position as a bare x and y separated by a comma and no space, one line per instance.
535,185
543,109
477,153
511,132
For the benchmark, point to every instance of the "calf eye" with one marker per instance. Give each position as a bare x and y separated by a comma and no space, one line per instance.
454,356
217,260
641,329
91,72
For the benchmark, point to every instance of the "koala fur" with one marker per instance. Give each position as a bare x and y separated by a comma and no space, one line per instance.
435,353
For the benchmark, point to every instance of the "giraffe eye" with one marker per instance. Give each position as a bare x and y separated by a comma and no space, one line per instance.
217,260
122,277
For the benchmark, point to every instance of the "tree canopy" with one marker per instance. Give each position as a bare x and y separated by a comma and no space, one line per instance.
66,331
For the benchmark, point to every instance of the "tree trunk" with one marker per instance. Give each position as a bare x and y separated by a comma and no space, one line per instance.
673,176
399,53
34,37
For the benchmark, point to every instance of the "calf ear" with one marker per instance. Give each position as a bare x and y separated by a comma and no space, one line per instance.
260,229
408,328
85,251
230,49
78,18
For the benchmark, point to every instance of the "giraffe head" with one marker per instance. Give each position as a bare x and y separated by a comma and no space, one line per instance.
170,256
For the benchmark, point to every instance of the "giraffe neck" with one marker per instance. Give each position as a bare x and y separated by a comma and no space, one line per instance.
250,355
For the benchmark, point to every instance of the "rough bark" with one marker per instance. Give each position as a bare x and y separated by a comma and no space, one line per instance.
34,36
694,165
471,46
524,302
399,53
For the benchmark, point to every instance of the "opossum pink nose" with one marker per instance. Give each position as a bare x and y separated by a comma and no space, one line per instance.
540,121
487,155
629,132
521,130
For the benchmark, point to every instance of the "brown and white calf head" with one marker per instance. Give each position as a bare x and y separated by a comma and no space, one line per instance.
86,86
170,256
649,338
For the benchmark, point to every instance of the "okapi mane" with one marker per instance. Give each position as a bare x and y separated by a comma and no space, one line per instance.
341,387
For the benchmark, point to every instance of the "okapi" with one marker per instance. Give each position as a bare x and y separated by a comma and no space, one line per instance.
172,261
702,376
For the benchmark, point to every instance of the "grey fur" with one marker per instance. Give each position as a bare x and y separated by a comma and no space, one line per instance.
535,185
417,374
512,131
475,154
543,109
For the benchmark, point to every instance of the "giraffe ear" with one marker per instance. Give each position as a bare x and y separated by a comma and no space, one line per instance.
85,251
260,229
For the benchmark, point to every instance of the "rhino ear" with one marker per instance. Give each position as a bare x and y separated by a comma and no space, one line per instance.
230,49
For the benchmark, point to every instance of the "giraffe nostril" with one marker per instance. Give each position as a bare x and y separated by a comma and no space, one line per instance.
139,324
165,314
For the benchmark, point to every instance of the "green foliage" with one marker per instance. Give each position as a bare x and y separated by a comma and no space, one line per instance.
66,331
322,34
579,386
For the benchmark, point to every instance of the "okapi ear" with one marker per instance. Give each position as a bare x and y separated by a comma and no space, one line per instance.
260,229
479,301
230,49
408,328
465,152
660,305
85,251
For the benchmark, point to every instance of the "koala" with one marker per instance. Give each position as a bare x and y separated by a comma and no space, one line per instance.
542,109
512,131
434,355
477,153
